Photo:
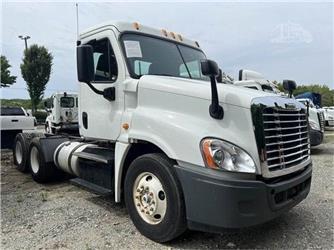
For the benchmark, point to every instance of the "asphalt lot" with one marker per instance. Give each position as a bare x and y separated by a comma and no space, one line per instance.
64,216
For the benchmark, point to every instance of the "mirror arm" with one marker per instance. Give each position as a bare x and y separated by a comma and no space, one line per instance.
97,91
216,111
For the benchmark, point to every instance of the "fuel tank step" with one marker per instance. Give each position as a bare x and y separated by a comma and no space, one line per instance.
91,186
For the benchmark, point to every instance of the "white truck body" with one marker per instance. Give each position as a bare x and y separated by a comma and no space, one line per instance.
19,120
153,128
254,80
62,112
329,116
14,120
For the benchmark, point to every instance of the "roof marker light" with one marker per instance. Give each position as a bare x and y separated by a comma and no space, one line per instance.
180,37
172,34
136,25
197,44
164,32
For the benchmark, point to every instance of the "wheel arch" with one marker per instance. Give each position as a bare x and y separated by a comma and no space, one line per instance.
130,153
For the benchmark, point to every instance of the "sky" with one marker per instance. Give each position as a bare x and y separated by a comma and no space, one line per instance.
282,40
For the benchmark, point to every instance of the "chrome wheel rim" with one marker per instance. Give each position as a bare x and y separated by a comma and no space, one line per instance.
149,198
18,152
34,160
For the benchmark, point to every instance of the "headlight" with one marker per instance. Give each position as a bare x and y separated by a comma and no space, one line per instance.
219,154
314,125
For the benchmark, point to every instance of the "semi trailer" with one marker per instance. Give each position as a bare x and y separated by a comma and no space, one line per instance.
182,152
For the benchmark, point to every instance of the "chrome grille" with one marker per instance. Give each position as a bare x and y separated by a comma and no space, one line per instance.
321,118
285,137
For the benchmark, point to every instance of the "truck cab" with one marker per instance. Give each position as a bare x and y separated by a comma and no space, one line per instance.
181,150
316,122
62,111
255,80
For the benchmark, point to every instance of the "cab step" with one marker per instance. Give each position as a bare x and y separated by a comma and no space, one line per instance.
91,187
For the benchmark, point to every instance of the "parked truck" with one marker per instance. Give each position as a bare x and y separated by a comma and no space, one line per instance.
255,80
14,120
182,151
62,116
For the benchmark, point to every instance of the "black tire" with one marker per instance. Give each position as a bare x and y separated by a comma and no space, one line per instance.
22,140
41,171
173,223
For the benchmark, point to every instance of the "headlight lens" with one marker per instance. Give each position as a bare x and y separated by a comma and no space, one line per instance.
314,125
219,154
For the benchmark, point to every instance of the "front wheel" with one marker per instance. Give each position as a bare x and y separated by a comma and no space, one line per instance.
154,198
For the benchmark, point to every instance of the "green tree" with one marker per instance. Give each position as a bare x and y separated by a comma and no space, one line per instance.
6,78
327,94
36,70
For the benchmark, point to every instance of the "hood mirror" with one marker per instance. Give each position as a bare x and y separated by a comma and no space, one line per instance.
289,86
210,68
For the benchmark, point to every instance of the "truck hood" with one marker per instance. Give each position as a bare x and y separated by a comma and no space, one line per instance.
228,94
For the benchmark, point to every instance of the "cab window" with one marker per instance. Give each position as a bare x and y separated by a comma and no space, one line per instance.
67,102
105,64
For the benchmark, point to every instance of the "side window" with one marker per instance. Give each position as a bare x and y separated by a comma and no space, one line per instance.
252,87
104,61
194,70
141,67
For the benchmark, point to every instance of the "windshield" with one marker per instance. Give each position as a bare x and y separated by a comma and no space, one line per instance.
67,102
153,56
267,88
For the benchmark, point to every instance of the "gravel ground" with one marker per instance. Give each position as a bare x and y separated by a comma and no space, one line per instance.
64,216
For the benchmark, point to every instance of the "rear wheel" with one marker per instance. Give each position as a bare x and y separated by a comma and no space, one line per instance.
154,198
42,171
21,150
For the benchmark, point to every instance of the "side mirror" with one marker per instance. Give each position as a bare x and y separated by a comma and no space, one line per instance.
219,78
210,68
85,63
289,86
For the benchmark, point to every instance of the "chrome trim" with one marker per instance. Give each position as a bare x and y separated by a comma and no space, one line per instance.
282,104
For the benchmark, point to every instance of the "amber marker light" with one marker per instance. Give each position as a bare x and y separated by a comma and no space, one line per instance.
172,34
164,32
206,147
125,126
180,37
136,25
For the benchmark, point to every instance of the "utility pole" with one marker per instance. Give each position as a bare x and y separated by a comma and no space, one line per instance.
25,38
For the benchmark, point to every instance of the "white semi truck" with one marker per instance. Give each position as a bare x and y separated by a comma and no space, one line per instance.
255,80
181,151
62,111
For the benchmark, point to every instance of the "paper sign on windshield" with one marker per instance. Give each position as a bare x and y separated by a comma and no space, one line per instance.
132,49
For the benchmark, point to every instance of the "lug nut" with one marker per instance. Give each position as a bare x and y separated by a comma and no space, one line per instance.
138,190
142,210
147,212
138,204
151,209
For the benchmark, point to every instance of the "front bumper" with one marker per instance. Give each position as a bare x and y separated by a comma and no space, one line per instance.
214,202
316,137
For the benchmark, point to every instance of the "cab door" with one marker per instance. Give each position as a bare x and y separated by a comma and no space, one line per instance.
98,117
